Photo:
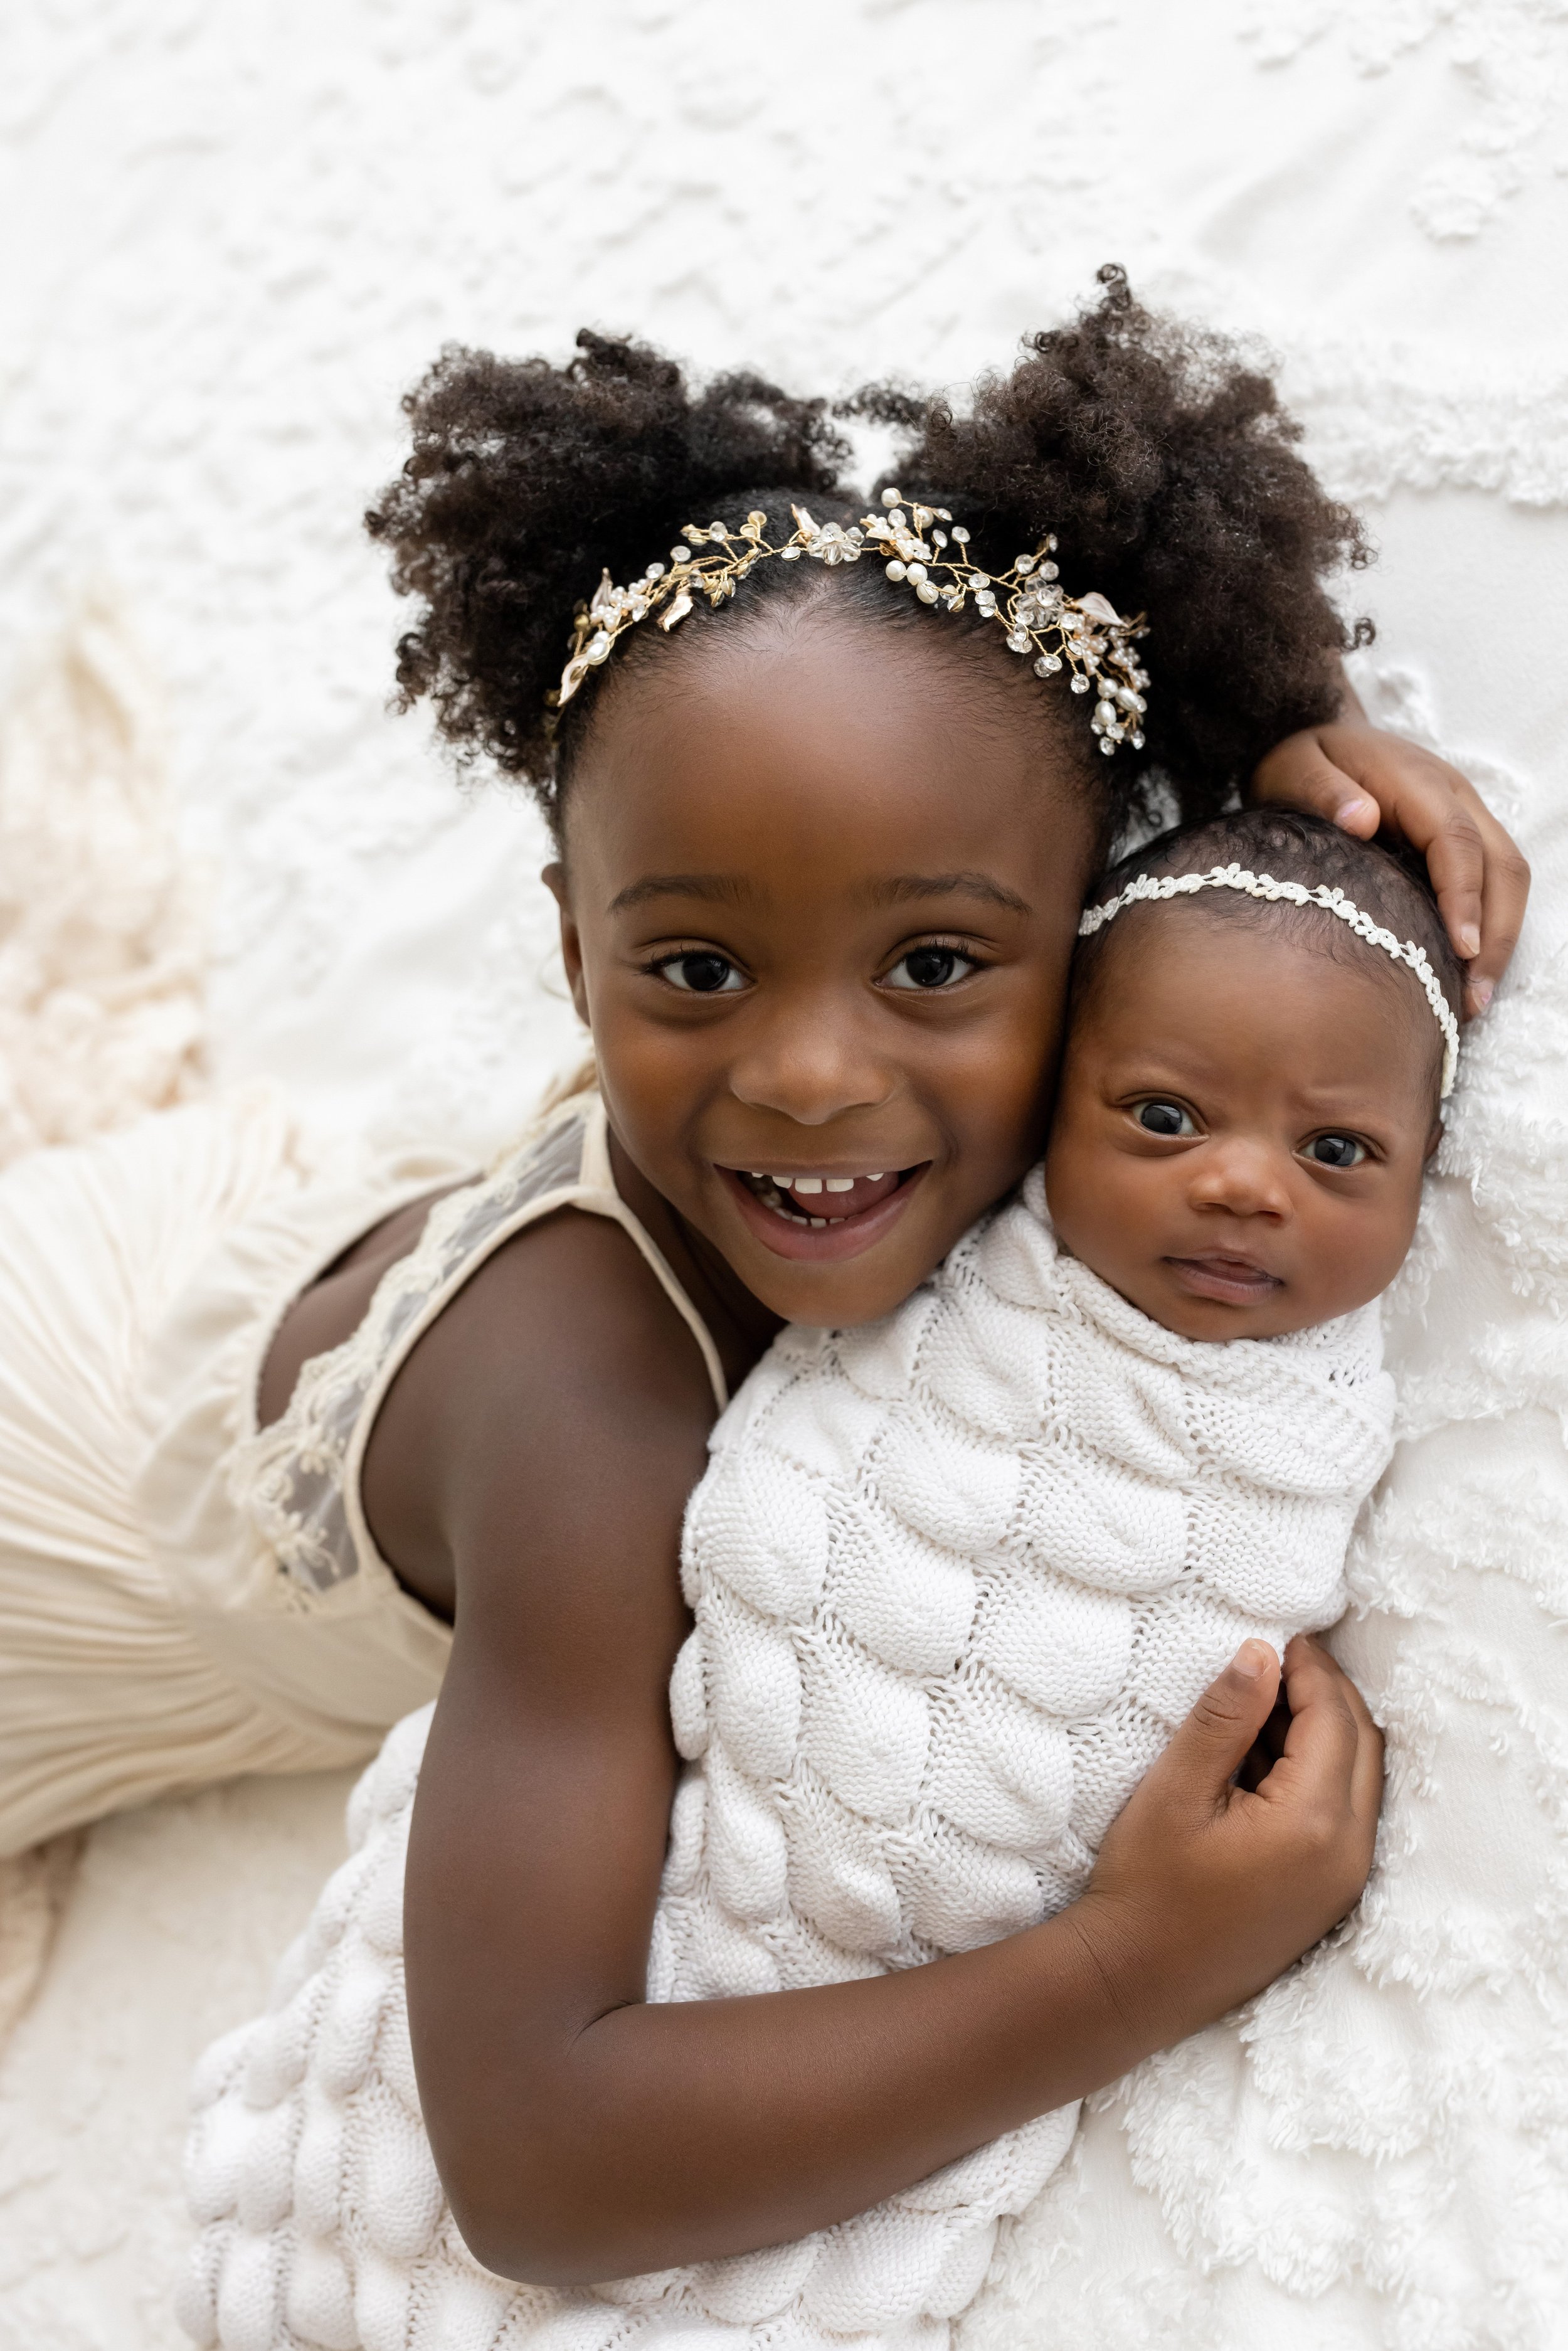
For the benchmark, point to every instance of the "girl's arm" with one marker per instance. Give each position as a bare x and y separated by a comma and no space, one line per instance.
1367,780
582,2134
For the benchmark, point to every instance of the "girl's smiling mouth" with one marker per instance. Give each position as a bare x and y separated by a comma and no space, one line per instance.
817,1214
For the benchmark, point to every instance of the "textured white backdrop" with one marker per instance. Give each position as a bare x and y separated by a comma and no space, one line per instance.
235,230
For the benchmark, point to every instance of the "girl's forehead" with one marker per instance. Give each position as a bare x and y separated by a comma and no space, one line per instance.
860,732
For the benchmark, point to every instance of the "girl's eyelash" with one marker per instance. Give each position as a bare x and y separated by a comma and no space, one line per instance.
941,943
667,956
968,948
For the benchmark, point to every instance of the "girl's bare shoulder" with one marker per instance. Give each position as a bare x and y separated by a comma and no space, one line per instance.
560,1395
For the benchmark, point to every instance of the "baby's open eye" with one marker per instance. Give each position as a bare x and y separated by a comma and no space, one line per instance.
701,973
930,968
1335,1151
1165,1118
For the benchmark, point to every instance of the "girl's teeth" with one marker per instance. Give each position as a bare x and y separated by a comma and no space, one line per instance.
783,1185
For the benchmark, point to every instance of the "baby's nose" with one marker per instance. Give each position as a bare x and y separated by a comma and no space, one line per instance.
1242,1174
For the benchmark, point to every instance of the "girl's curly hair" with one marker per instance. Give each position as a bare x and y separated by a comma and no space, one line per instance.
1159,456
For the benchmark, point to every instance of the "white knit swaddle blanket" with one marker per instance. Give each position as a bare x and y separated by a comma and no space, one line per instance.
956,1578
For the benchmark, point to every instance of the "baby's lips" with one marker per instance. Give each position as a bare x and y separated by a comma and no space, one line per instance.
1212,1275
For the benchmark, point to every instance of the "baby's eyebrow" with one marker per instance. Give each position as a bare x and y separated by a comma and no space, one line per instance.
900,887
730,887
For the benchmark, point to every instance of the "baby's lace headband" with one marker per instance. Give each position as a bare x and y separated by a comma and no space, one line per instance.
1150,886
1085,634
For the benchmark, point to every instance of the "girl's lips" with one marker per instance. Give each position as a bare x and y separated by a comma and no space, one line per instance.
1234,1279
831,1241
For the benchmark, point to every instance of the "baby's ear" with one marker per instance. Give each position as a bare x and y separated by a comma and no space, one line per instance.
1433,1138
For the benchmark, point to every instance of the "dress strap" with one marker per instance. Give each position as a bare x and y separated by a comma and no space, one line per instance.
600,1196
299,1479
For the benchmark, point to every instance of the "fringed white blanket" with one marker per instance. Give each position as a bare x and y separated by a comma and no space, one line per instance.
955,1580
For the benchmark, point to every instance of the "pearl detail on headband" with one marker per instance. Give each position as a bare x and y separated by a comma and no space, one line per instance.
1150,887
1083,634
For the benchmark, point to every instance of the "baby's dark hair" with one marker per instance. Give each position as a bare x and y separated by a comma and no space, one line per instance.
1390,885
1158,455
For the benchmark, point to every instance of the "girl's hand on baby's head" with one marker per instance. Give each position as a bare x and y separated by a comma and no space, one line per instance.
1367,781
1205,1889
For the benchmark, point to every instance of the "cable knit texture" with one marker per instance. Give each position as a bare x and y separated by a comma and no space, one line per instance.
955,1578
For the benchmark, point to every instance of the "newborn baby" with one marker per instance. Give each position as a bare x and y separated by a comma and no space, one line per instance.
955,1577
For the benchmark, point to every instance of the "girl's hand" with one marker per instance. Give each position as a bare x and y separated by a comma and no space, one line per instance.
1368,781
1223,1884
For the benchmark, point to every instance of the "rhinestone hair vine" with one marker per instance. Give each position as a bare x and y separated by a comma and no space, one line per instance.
1085,635
1154,889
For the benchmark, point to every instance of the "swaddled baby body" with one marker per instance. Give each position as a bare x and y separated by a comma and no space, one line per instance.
955,1578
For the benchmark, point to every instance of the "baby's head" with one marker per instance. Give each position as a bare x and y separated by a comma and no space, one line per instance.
1251,1086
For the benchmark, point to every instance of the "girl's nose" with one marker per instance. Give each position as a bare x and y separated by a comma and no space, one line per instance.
812,1068
1242,1176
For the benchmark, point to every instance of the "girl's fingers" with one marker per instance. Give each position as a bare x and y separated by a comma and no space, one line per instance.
1481,882
1367,1773
1299,774
1328,1718
1214,1741
1430,805
1507,892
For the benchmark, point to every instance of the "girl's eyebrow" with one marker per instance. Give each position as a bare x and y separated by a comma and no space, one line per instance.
896,890
899,887
730,886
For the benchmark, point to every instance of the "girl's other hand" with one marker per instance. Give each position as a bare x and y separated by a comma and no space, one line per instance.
1229,1882
1368,781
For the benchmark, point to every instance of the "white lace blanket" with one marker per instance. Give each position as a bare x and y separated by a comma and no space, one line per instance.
955,1580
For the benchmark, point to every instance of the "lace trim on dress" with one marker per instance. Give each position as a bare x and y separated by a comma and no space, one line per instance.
293,1478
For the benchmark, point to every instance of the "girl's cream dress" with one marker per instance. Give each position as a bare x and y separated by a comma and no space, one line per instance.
181,1597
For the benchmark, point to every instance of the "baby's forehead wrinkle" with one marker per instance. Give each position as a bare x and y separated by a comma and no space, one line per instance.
1307,927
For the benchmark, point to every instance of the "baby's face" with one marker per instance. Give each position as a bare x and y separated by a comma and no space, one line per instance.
1242,1124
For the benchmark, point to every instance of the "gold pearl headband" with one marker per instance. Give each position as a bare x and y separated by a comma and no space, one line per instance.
1085,635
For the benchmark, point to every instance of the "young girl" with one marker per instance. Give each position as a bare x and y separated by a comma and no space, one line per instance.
956,1577
823,850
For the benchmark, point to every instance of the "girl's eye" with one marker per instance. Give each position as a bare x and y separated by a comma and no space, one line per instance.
1336,1151
1164,1118
701,973
930,968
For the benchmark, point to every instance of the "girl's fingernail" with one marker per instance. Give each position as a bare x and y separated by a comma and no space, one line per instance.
1253,1658
1481,994
1350,811
1469,941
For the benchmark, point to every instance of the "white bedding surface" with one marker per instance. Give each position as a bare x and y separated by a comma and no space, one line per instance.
246,231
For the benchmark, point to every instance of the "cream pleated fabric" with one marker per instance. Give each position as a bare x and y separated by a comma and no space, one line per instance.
183,1597
108,1696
